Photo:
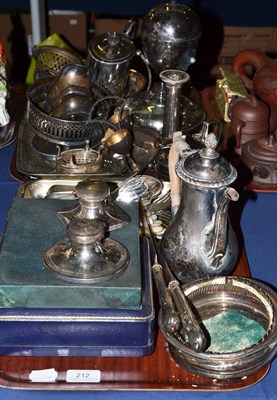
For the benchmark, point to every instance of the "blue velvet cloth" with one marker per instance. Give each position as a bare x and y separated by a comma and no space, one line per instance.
259,226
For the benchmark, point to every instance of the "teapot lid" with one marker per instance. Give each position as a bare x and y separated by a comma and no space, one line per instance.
206,167
112,47
249,109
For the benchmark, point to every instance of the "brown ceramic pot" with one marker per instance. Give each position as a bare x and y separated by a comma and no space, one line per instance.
260,156
264,82
249,120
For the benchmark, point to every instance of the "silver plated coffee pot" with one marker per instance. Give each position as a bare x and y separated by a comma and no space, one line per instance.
200,242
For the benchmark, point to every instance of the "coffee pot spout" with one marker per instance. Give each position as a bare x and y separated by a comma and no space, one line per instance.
216,239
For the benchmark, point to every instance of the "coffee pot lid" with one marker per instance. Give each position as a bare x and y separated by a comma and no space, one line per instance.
206,167
112,47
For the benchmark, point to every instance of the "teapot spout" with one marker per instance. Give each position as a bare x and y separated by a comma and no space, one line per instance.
218,236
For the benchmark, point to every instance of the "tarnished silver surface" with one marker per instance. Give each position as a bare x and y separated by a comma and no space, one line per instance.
136,83
170,35
42,162
211,297
176,311
200,241
147,109
109,55
43,95
85,255
82,160
121,143
174,81
142,187
94,202
29,284
48,188
206,167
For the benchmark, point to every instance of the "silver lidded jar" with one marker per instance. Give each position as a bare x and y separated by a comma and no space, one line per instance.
110,55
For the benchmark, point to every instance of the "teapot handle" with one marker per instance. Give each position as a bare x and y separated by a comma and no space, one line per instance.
131,28
140,54
254,58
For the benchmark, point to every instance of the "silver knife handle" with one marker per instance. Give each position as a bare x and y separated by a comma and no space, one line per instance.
191,327
170,318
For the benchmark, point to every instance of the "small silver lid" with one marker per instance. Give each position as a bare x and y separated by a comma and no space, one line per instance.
112,47
89,190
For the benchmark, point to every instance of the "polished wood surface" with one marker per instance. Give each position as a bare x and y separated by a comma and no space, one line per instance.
155,372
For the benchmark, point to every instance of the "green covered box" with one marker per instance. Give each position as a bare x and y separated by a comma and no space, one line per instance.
25,282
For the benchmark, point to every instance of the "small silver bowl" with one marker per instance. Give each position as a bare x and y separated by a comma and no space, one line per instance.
211,297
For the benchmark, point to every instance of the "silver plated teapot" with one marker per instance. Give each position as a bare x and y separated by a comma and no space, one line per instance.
200,242
110,55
